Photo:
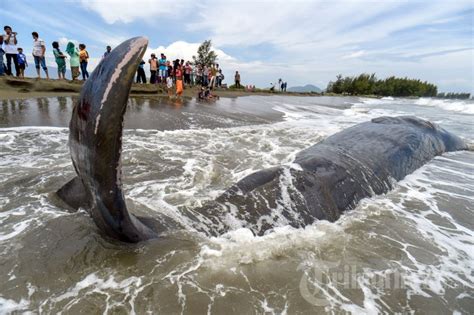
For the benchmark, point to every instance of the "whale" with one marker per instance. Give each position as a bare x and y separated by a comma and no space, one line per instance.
322,182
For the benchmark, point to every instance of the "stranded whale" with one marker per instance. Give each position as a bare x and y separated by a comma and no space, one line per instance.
325,179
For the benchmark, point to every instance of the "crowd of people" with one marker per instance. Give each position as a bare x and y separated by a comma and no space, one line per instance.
179,73
173,74
281,85
16,60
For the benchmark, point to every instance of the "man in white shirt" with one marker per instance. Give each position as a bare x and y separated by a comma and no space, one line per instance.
9,46
39,50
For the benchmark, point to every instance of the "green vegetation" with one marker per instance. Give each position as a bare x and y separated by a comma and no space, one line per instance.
461,96
368,84
205,56
234,87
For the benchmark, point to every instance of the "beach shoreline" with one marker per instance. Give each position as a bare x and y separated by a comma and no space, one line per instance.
15,88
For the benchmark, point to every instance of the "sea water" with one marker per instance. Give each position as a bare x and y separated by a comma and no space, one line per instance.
410,250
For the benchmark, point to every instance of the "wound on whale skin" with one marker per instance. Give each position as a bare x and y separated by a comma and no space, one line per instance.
332,176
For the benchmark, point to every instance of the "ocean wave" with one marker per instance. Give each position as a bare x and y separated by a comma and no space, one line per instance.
466,107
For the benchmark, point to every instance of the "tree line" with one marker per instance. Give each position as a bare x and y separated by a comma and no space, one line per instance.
462,96
368,84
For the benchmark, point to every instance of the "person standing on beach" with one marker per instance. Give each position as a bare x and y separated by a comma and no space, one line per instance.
220,75
193,75
9,44
153,68
2,52
175,68
84,59
187,73
198,77
217,75
22,63
237,79
212,82
74,61
141,77
163,69
179,80
205,75
60,59
39,50
108,49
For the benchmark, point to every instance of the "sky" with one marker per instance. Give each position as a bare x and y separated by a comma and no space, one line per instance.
302,42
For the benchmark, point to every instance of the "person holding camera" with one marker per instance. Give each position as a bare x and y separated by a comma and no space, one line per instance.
9,44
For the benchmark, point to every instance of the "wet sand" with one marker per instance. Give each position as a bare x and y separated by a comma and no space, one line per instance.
41,102
144,113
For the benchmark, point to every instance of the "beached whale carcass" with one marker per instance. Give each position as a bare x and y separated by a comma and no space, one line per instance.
325,179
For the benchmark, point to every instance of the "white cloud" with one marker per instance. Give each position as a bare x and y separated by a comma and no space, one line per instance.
355,54
113,11
313,41
185,50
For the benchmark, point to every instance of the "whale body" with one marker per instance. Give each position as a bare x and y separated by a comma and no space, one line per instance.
325,179
333,175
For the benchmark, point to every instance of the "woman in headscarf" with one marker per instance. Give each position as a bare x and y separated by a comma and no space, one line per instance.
74,60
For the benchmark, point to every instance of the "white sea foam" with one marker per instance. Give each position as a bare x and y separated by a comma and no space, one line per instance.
242,247
461,106
8,306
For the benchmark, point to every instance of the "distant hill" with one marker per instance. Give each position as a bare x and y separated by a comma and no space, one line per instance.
306,88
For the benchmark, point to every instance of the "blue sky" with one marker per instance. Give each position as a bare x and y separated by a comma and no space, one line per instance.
299,41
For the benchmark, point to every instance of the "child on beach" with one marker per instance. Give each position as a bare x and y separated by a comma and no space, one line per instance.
60,61
22,63
84,58
169,85
74,61
169,70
